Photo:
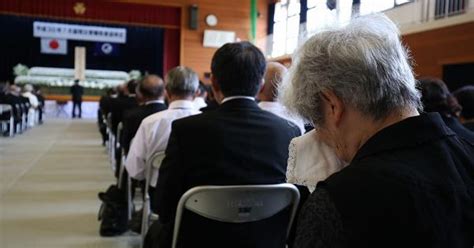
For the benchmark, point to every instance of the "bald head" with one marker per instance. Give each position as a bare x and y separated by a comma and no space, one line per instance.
273,77
151,87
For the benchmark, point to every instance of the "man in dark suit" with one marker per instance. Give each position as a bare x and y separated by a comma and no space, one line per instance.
125,100
77,91
238,143
151,91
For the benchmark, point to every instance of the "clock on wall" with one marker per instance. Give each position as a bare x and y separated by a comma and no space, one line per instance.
211,20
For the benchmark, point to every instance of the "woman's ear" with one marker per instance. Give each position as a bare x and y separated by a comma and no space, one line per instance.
333,107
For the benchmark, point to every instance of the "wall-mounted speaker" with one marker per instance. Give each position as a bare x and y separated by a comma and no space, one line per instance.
193,17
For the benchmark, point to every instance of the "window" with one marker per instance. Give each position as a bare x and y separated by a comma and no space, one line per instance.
372,6
445,8
319,16
286,23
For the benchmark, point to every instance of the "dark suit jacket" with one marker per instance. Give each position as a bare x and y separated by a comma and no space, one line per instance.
410,185
132,119
469,125
16,102
459,129
77,91
238,143
118,106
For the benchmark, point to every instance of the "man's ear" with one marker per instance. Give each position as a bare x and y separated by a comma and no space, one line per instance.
334,107
216,89
197,93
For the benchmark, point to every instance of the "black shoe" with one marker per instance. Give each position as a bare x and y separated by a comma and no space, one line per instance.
135,224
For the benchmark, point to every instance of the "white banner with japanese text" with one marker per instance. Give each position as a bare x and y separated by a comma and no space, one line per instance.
79,32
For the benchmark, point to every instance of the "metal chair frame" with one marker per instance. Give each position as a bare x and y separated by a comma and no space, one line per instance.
148,216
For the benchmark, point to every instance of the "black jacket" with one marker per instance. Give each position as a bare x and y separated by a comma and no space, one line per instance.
77,91
117,107
458,128
132,119
238,143
410,185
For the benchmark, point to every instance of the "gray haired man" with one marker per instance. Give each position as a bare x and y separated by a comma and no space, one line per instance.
153,133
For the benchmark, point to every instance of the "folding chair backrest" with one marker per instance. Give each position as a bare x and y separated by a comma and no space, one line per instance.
237,204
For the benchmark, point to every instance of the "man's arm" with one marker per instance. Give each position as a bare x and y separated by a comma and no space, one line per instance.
136,157
170,186
127,135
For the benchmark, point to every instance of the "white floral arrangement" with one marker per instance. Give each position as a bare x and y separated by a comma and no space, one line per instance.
64,77
135,74
20,70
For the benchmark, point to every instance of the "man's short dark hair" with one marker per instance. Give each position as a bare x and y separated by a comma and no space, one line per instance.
131,86
238,68
465,96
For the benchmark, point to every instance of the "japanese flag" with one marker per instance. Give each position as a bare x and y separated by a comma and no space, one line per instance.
53,46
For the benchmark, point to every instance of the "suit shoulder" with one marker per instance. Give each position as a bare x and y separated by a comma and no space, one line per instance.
192,120
276,120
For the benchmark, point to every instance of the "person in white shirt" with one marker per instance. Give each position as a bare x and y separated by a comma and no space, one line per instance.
201,95
34,103
153,134
268,94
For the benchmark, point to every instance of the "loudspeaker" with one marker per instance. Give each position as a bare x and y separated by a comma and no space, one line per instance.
193,17
331,4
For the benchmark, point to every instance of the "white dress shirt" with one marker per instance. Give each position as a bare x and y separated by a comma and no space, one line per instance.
152,136
199,102
237,97
280,110
155,101
32,110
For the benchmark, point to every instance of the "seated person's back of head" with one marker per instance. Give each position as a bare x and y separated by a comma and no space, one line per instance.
150,90
268,94
465,97
238,143
436,97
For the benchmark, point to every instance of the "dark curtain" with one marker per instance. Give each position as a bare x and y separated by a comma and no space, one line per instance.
143,50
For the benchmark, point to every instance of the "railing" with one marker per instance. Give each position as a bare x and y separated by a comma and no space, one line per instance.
445,8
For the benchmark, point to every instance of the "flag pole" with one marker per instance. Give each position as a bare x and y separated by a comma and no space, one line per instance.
253,21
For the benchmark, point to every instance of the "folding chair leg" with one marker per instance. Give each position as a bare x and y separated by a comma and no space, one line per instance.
12,126
145,219
129,197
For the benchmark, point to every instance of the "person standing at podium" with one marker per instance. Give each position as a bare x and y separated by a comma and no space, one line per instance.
76,91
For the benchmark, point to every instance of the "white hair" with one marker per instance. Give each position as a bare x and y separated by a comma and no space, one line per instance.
28,88
364,64
182,80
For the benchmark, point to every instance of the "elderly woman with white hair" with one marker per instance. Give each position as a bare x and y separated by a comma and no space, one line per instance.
409,181
34,103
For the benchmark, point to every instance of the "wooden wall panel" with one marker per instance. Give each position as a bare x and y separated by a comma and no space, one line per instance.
434,48
232,16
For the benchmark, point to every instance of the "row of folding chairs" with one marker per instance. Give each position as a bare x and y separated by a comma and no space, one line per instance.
7,120
212,202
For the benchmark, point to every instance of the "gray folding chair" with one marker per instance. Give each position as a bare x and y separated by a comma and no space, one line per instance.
237,204
148,216
111,139
118,148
